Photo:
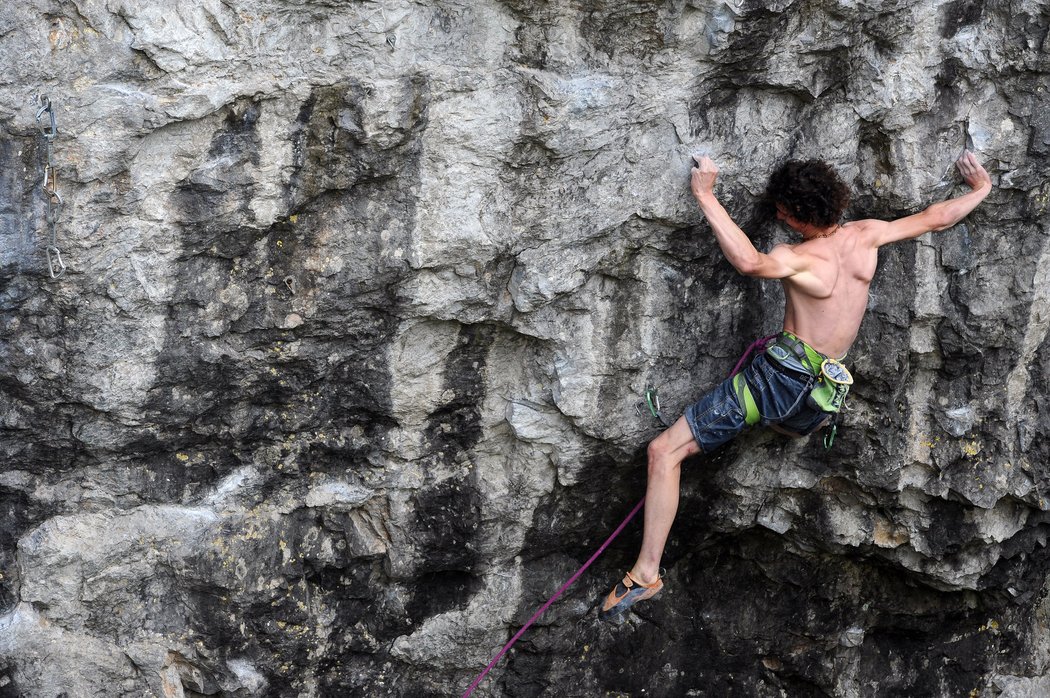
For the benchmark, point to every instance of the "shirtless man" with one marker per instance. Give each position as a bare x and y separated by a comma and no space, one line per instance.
826,279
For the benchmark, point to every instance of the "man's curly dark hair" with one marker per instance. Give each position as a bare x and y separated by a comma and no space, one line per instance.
809,191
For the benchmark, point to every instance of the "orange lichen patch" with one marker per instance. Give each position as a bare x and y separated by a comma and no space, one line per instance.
889,535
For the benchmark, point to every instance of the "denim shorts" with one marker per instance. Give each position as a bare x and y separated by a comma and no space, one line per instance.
779,393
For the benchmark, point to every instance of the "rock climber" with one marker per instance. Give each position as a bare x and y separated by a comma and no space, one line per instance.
790,384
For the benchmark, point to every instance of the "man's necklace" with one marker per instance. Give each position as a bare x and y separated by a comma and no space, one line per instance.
827,235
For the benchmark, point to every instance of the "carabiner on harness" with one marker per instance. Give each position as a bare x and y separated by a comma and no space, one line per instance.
829,438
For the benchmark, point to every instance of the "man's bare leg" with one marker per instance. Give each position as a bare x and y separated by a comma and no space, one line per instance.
666,454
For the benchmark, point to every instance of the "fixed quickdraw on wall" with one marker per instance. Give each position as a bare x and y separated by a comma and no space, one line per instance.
652,404
48,125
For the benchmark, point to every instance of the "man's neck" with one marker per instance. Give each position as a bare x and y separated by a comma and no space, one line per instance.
812,232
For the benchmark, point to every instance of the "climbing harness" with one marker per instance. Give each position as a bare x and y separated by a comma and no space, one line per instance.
833,379
786,348
743,392
544,607
652,396
48,125
743,395
831,384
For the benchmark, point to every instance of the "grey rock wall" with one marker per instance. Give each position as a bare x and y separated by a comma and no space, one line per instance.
341,382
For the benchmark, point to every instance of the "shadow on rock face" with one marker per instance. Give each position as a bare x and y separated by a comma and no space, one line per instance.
751,613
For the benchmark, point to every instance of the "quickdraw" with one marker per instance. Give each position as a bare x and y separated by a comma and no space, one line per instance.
652,401
48,125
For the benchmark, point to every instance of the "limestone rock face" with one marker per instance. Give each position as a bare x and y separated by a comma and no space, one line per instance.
342,380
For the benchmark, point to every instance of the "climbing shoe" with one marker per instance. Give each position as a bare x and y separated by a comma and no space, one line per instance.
626,594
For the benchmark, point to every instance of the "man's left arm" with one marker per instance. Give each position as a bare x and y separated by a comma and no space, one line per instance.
939,216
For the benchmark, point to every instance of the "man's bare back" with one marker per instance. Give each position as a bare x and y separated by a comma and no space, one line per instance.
826,277
824,307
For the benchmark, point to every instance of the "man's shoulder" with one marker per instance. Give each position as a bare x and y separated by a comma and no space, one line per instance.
863,223
866,228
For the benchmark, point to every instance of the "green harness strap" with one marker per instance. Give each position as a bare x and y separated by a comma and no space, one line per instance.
746,400
807,355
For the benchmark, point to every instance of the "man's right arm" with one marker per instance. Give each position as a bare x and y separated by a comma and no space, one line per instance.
941,215
736,246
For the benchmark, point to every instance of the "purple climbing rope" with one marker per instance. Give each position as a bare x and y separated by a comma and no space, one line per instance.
554,598
759,344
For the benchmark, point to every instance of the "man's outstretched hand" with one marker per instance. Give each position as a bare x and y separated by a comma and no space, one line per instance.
704,175
971,170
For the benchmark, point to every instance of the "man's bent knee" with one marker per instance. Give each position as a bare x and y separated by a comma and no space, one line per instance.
661,457
660,448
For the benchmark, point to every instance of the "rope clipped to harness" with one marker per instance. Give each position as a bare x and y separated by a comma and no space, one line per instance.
743,392
757,346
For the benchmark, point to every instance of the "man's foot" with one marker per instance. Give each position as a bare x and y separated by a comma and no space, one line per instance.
626,594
